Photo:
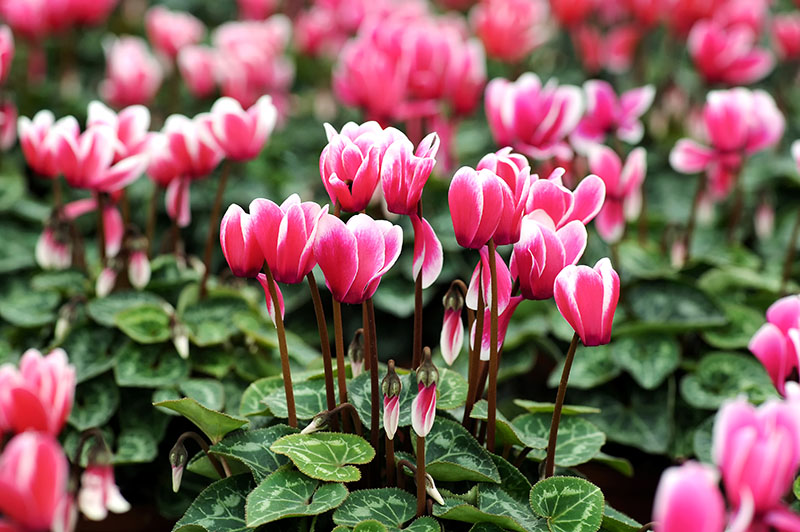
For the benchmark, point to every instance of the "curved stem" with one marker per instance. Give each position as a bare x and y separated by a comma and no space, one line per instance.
420,473
521,457
285,369
325,344
790,251
341,371
213,227
493,358
204,446
550,462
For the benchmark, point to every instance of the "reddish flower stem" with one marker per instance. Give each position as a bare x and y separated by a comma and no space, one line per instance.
371,345
325,345
341,371
285,369
390,467
420,475
550,461
213,227
493,358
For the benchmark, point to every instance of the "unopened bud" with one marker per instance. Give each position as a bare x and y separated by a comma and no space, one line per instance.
105,282
427,373
355,352
318,422
430,488
391,386
453,299
180,339
139,269
178,457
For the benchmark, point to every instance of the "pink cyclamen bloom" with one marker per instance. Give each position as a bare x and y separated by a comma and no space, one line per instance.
514,170
542,252
169,31
510,29
423,409
476,205
8,125
777,343
99,493
242,134
688,498
623,189
562,205
738,122
256,9
391,415
163,167
467,78
481,280
728,55
503,319
286,234
404,171
758,452
130,125
198,68
33,480
587,298
192,144
239,243
786,31
177,201
354,256
262,278
114,226
452,336
350,165
609,114
133,74
534,118
39,396
39,140
6,52
428,253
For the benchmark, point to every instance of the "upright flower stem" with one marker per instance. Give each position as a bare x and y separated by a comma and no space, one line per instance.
493,358
474,360
550,461
390,467
151,219
371,343
736,211
101,228
324,342
285,369
791,248
417,353
213,227
57,194
341,372
420,475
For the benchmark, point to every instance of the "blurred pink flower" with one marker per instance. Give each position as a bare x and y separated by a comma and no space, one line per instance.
192,144
256,9
623,189
39,140
170,31
786,32
8,125
198,66
99,493
728,55
571,12
777,343
688,498
131,127
510,29
133,75
6,52
242,134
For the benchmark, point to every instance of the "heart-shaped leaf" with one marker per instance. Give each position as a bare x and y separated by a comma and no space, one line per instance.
252,448
649,359
146,324
103,310
253,401
90,350
214,424
616,521
95,402
149,366
592,367
309,399
670,306
388,506
569,504
210,321
452,454
578,440
721,376
219,508
208,392
494,506
327,455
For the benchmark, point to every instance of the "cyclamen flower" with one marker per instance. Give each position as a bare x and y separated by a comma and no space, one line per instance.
476,205
510,29
777,343
198,66
612,49
562,205
786,30
571,12
54,248
728,55
99,493
623,189
428,253
39,140
423,407
503,319
239,243
133,75
130,126
391,386
404,171
514,170
262,278
354,256
169,31
6,52
587,298
688,498
452,336
242,134
192,144
481,280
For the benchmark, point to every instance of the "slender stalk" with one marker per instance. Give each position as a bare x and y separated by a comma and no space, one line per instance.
690,225
417,353
204,446
341,372
736,211
474,361
420,475
57,194
325,344
390,467
176,228
550,462
151,219
371,344
521,457
642,222
101,228
493,358
285,369
213,227
791,247
125,207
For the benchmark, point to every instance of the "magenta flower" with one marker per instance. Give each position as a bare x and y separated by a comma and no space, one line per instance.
354,256
533,118
609,114
242,134
510,29
350,165
728,54
39,396
786,30
777,343
476,205
33,481
192,144
8,125
451,338
170,31
542,252
286,235
484,284
39,140
391,386
688,498
130,126
423,407
6,52
623,189
563,205
133,74
428,254
262,278
99,493
514,170
53,248
503,319
404,171
177,201
239,243
587,298
198,67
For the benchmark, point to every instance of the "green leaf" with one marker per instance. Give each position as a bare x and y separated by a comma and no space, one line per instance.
215,362
616,521
219,508
702,440
494,506
578,440
146,324
95,402
208,392
261,330
486,527
570,504
506,431
649,359
451,390
13,189
722,376
424,524
623,465
796,488
592,367
535,407
389,506
27,308
513,481
215,425
210,321
17,251
90,351
254,397
104,309
452,454
641,262
370,525
309,399
289,493
149,366
252,448
326,455
670,306
67,282
743,322
135,446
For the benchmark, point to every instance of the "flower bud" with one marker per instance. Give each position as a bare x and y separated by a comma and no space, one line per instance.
105,282
427,374
318,422
178,458
355,352
180,338
430,488
391,387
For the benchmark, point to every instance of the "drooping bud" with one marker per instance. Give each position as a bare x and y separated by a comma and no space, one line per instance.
430,488
355,352
318,422
105,282
66,317
53,249
180,338
427,374
178,458
764,220
391,387
452,337
423,409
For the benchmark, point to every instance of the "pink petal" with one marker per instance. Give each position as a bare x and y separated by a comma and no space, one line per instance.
785,313
573,237
588,199
428,254
689,157
335,250
604,162
610,222
391,415
451,338
265,219
688,498
114,229
423,410
262,278
177,200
